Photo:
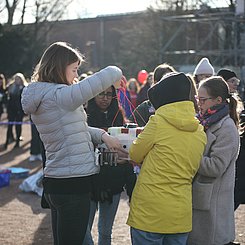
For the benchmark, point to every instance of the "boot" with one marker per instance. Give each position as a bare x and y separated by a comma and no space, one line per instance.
17,144
6,145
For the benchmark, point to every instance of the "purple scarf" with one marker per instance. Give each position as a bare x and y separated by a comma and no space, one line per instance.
213,115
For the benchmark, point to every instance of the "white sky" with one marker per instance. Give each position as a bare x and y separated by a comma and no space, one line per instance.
99,7
92,8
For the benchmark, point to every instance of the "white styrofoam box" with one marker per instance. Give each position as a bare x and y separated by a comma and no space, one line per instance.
125,135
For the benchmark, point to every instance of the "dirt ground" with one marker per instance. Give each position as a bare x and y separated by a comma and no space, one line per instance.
24,222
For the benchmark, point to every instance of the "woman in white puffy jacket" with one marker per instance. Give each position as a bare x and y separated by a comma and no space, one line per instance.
55,102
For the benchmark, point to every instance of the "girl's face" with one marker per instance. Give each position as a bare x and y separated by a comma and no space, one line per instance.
103,100
132,86
201,77
233,83
71,72
205,101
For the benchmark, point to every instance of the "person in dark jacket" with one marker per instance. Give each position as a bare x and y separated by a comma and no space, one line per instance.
142,95
3,95
233,81
144,110
14,108
103,112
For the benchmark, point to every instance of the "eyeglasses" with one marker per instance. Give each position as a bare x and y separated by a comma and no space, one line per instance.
202,100
103,94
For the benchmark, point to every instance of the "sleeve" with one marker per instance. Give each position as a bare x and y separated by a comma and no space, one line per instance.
73,96
144,142
223,150
96,134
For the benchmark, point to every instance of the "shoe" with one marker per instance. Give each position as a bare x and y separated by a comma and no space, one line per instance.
34,158
17,144
11,140
232,243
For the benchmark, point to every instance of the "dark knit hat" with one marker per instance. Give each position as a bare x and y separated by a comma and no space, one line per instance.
173,87
226,74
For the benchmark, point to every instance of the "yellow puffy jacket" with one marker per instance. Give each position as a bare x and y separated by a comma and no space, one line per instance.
170,148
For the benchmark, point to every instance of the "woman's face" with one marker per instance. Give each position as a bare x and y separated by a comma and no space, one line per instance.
205,101
201,77
103,100
132,86
71,72
18,80
233,84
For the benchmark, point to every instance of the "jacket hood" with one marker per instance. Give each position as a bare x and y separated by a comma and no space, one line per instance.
33,94
180,114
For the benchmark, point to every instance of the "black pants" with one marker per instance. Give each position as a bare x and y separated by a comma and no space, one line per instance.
70,214
12,117
35,141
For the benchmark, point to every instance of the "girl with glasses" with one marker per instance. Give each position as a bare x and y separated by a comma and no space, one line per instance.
104,111
213,186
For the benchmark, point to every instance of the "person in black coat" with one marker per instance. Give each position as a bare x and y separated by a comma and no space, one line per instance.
14,108
239,195
145,109
3,95
104,111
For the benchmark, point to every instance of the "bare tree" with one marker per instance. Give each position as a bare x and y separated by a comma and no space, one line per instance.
23,11
43,10
11,10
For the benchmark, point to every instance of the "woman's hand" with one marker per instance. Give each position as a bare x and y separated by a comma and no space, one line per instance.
113,144
121,83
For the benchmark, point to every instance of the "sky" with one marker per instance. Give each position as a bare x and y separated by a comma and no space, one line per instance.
90,8
100,7
93,8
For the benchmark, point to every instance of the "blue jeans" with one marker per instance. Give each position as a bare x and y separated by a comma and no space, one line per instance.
139,237
107,212
69,214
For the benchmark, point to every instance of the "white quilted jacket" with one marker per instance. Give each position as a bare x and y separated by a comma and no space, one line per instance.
58,113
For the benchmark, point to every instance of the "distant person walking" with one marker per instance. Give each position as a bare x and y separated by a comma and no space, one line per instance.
14,108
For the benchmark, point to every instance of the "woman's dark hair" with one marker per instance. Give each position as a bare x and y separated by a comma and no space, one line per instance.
217,86
193,91
161,70
115,115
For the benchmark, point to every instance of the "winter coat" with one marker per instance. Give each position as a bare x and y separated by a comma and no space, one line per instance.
142,113
240,169
142,95
240,174
3,100
170,147
14,107
213,187
58,113
111,180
